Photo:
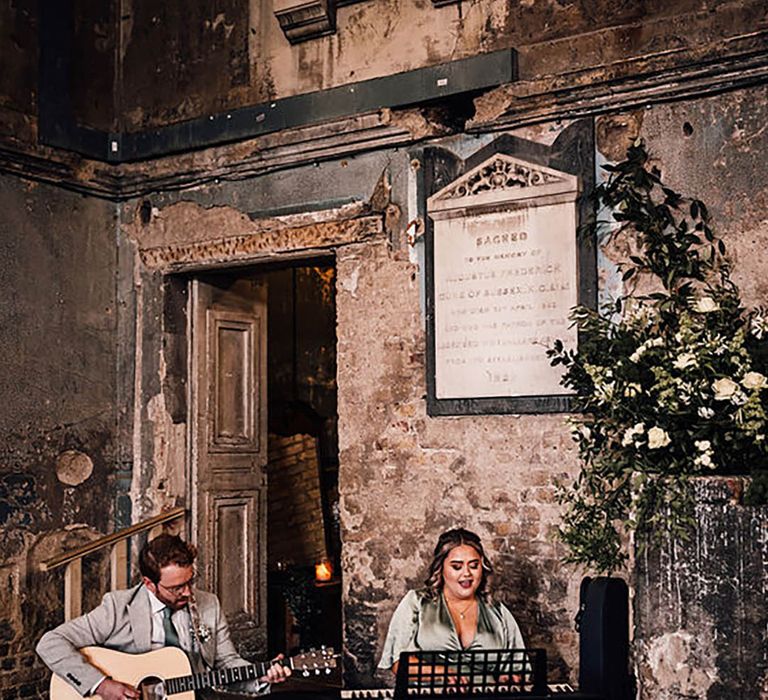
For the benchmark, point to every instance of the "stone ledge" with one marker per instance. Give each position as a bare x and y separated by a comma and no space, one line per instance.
319,236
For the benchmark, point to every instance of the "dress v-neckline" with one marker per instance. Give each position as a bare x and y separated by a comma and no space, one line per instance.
453,624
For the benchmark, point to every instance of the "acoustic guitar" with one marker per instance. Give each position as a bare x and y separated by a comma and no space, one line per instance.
167,673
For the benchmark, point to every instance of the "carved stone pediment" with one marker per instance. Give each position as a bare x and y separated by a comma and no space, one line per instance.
502,180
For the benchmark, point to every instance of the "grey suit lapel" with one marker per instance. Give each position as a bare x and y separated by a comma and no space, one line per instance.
207,649
140,615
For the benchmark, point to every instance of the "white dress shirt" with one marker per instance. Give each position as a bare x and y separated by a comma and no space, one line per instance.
180,619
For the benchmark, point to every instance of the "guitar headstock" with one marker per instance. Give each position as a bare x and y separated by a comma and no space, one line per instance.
314,661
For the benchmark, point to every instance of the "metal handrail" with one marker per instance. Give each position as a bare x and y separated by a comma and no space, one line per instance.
108,540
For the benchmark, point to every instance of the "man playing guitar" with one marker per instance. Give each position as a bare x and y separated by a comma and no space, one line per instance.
163,610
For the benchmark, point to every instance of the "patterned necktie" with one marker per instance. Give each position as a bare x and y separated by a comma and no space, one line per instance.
171,637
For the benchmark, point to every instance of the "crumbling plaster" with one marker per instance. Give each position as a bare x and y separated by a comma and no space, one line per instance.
556,42
714,149
60,425
222,223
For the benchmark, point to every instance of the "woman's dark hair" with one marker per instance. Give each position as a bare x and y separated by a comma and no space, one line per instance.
445,543
164,550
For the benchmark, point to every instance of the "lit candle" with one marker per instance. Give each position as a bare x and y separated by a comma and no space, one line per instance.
323,571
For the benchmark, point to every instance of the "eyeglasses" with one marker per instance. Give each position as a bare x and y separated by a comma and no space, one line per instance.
178,590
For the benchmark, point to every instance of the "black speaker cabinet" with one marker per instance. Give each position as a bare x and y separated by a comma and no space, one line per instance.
603,624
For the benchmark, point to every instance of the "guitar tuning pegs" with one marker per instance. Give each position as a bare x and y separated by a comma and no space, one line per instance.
306,673
327,671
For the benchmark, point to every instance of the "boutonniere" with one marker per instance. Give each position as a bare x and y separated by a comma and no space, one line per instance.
203,633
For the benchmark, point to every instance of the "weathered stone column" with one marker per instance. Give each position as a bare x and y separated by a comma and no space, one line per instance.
700,606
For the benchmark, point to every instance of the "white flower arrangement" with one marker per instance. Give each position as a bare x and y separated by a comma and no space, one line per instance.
671,384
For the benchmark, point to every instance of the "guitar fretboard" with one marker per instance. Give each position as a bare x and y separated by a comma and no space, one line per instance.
221,676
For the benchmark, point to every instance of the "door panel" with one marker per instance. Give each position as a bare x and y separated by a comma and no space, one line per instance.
234,519
228,483
235,351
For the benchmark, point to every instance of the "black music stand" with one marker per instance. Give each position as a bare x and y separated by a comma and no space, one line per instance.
485,672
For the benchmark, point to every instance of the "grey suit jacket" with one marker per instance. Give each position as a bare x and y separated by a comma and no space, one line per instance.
123,622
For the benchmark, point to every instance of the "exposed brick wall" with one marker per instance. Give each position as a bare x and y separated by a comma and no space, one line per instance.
296,533
405,477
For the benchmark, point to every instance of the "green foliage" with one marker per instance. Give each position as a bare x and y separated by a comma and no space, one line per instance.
672,380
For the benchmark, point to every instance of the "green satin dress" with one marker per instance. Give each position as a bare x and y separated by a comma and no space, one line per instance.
423,624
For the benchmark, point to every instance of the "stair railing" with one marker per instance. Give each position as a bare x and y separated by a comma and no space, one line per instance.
118,558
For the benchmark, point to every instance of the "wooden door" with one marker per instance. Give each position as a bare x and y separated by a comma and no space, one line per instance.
229,449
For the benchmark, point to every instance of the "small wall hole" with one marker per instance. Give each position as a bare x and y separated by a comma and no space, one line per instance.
145,212
687,128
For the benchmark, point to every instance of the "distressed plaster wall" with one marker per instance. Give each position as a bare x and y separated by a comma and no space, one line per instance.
700,614
198,221
714,149
60,454
179,64
149,64
406,477
80,372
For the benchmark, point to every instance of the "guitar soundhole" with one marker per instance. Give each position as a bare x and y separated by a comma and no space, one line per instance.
152,688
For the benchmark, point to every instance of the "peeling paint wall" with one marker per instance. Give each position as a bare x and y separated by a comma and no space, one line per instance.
217,58
61,460
700,612
139,64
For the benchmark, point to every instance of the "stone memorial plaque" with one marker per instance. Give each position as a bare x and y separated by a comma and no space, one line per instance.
504,273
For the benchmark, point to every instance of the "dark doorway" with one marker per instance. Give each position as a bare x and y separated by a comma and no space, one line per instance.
303,549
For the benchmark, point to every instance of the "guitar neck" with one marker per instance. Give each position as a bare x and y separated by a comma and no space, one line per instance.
221,676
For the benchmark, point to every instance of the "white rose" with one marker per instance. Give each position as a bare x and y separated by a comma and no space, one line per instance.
705,305
687,359
724,388
703,445
754,380
657,437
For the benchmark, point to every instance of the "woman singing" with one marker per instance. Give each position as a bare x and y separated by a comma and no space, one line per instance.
453,612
